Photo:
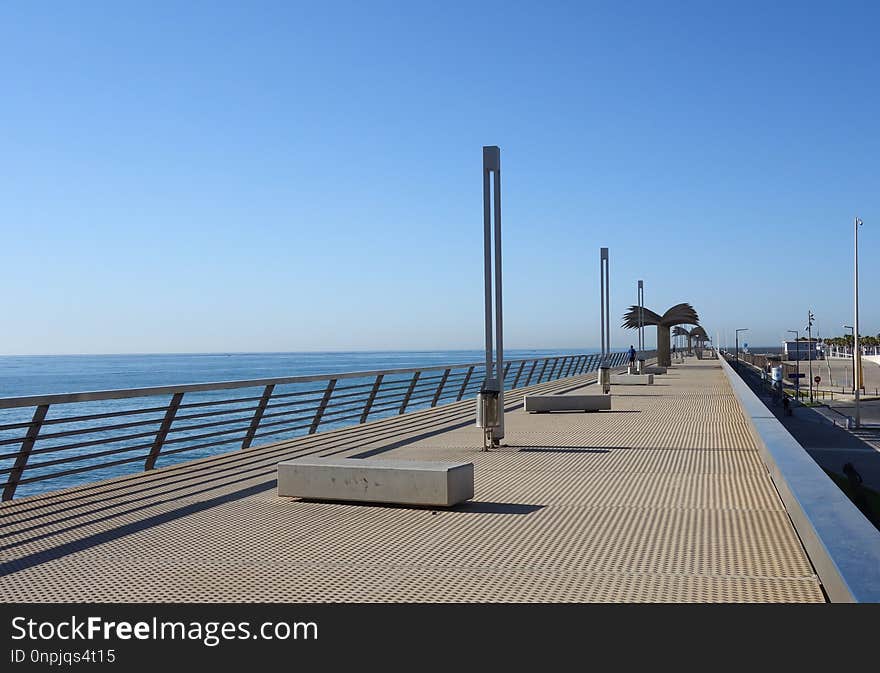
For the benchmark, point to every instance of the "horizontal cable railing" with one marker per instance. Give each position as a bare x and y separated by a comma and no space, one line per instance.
87,436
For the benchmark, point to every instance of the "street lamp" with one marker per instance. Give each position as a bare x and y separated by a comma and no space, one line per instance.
742,329
809,330
797,362
852,329
857,379
641,300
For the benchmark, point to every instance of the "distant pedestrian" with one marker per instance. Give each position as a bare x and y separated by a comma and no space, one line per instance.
786,405
632,355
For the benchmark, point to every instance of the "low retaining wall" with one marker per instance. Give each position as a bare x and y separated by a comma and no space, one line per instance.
843,546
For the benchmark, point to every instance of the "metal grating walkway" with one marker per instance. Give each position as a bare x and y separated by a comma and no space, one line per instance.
663,499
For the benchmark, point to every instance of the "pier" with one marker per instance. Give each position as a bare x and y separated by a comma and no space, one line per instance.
672,496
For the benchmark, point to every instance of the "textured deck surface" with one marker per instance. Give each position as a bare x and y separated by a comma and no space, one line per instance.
664,498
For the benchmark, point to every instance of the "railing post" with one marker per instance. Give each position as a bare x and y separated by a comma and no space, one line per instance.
531,373
504,375
258,416
543,369
440,388
571,362
25,451
467,379
552,369
321,407
372,398
581,364
519,373
409,392
170,413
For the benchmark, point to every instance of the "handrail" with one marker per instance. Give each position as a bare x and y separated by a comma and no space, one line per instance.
127,393
279,408
843,546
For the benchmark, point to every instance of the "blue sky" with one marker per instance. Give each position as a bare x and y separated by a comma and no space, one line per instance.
179,177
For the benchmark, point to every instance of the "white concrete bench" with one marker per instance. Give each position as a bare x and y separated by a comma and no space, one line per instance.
632,379
406,482
543,403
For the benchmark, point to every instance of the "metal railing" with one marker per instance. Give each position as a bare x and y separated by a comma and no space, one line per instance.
101,434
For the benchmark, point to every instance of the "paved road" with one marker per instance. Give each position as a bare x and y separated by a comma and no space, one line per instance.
869,410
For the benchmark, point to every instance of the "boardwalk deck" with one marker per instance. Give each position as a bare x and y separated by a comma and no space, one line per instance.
664,499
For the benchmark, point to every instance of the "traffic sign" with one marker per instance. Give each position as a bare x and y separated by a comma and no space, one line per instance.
796,376
817,379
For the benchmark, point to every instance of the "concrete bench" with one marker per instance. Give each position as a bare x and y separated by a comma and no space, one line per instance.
654,369
632,379
405,482
544,403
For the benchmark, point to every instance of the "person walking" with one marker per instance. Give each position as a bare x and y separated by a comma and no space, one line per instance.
632,355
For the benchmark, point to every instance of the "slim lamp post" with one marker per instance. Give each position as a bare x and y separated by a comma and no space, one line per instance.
604,321
857,378
810,349
741,329
490,410
641,316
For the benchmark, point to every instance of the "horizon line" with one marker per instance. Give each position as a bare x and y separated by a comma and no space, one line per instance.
306,352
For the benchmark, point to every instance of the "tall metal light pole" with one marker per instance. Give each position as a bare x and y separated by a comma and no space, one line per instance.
742,329
604,321
490,402
810,317
856,354
852,329
641,316
797,363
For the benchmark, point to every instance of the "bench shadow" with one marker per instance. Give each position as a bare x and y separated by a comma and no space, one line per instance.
469,506
558,449
477,507
581,411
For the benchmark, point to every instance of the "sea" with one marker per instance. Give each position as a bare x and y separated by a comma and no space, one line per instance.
46,374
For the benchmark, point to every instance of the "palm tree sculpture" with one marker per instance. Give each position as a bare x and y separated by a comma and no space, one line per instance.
680,314
678,330
699,335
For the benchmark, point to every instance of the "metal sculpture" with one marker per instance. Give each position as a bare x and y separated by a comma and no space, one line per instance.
680,314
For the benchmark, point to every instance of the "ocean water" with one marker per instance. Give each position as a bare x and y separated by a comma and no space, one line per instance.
39,375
